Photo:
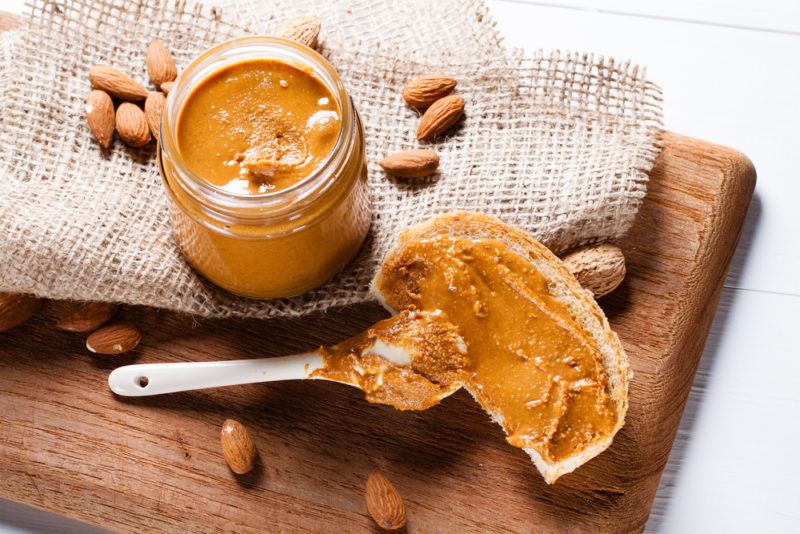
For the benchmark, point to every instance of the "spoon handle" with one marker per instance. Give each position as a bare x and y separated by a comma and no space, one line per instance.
146,379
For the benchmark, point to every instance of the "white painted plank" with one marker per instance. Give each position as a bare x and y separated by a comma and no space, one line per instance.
734,466
765,15
13,6
729,86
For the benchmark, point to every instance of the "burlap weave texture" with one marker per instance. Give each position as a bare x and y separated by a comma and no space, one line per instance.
556,143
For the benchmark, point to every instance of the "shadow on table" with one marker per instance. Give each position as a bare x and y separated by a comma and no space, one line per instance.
705,369
16,516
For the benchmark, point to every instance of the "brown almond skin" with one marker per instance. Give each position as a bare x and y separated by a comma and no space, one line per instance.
237,447
166,87
87,317
415,163
421,92
440,117
114,339
132,125
153,107
598,268
100,116
384,502
303,30
15,309
160,65
116,83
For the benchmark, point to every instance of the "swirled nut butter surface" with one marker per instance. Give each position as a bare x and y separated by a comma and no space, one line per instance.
531,364
258,126
410,361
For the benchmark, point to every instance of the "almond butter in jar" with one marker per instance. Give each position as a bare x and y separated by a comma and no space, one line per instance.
262,155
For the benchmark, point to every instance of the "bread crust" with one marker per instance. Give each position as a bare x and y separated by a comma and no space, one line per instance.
564,288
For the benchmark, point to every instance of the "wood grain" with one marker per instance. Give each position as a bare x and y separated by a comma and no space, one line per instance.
153,464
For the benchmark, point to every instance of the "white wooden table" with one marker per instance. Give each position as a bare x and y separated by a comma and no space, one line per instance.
730,70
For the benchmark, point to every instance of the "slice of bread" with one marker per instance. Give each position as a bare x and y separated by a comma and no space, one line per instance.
563,287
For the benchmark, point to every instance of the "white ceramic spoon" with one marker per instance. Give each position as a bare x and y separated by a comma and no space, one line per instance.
420,342
157,378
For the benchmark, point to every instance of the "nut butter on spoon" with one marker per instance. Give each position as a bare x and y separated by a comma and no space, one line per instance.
410,361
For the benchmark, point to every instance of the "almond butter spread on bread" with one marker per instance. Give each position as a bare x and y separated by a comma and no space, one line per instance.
534,362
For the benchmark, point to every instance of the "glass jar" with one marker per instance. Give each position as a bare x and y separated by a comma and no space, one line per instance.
279,243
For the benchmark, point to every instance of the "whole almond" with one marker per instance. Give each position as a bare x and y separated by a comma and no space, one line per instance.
153,107
132,125
598,268
237,447
423,91
100,116
87,317
160,65
411,163
303,30
116,83
440,117
166,87
384,503
114,339
15,309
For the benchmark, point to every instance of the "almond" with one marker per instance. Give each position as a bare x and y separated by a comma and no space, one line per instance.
114,339
237,447
440,117
15,309
87,317
100,116
411,163
598,268
160,65
116,83
166,87
384,503
423,91
132,124
303,30
153,107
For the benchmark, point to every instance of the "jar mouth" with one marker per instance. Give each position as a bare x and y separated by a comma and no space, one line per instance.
231,52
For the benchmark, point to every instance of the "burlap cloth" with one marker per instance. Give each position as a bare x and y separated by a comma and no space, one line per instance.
556,143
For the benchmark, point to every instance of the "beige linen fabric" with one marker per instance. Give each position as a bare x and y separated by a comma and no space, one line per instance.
556,143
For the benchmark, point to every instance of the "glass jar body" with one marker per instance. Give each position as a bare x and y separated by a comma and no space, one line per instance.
282,243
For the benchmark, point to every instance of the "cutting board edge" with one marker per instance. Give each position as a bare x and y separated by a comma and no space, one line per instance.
738,184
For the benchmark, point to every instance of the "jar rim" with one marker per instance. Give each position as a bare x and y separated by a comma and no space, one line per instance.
230,52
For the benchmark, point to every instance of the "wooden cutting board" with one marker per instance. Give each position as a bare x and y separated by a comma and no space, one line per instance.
153,464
